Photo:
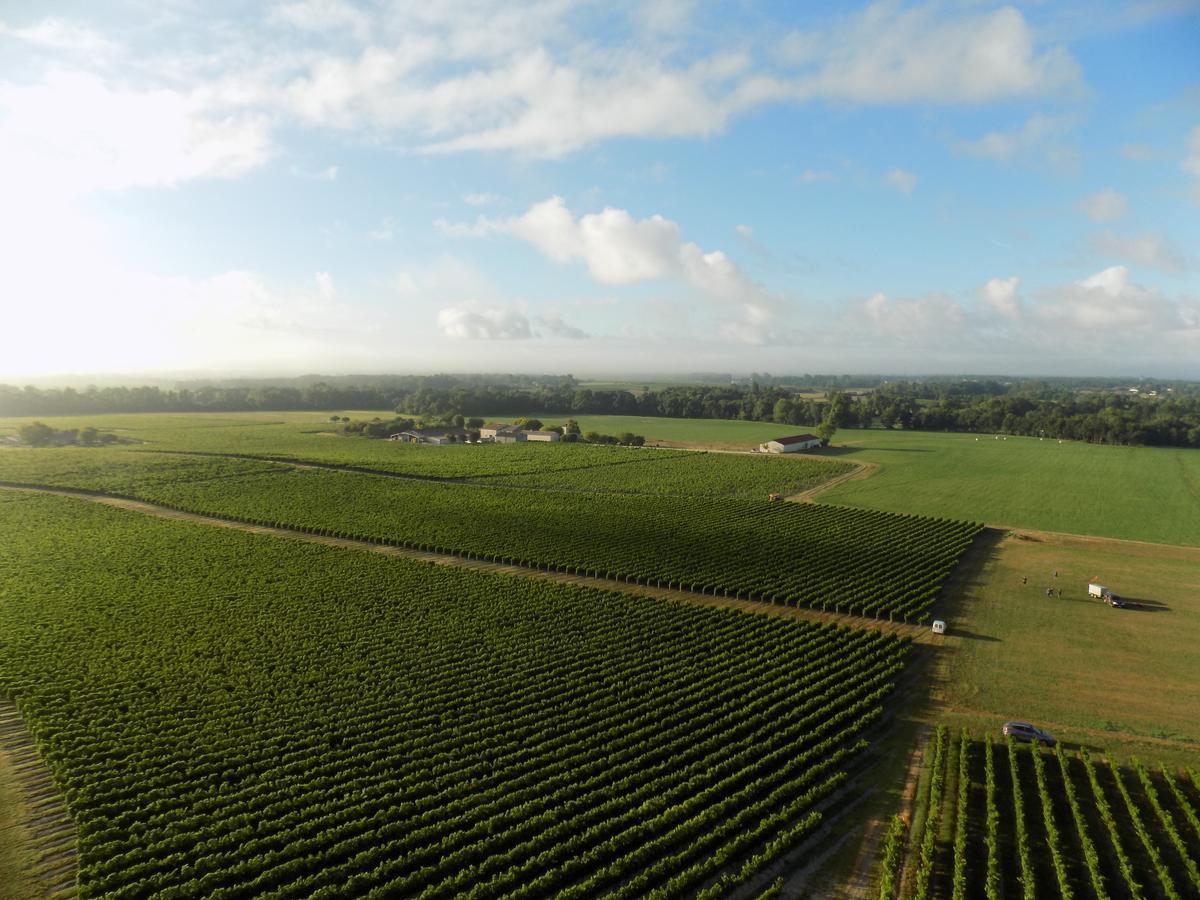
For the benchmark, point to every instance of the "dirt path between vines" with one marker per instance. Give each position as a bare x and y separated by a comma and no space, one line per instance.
479,565
861,470
37,834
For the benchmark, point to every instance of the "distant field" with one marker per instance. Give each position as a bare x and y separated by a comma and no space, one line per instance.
565,467
1125,679
1134,493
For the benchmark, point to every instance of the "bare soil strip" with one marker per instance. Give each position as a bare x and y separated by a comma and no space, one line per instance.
38,834
861,470
446,559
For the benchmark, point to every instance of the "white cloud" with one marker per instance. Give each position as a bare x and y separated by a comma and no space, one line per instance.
1110,304
325,285
1191,162
889,53
1001,294
745,232
449,77
1105,206
323,16
904,182
478,323
1040,137
618,249
59,34
75,133
1148,249
540,107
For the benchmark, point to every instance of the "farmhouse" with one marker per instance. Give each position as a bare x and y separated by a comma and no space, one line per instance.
790,444
495,431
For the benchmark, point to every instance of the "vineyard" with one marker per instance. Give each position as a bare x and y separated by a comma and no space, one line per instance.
1004,820
845,560
560,467
234,715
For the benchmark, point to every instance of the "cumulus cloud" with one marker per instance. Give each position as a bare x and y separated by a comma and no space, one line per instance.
1147,249
904,182
1110,303
478,323
1105,206
618,249
1001,294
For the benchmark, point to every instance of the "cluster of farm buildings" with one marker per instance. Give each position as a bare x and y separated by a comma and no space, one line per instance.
501,433
493,433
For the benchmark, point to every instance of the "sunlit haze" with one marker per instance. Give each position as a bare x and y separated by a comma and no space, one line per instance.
600,188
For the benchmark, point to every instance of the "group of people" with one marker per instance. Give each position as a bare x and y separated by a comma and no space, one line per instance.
1050,592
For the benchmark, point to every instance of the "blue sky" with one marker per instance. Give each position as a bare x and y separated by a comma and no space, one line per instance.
600,188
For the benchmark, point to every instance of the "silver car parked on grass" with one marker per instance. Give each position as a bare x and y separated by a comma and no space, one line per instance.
1023,731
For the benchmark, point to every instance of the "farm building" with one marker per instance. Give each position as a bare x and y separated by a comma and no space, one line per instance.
435,436
493,430
550,436
791,444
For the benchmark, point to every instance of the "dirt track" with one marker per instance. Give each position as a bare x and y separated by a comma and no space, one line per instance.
41,825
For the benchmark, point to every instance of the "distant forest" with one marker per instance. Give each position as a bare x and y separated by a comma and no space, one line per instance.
1100,411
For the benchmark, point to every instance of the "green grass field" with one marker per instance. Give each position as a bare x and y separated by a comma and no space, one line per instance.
1124,679
1134,493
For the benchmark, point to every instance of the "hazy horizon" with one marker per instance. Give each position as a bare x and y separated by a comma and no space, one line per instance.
327,186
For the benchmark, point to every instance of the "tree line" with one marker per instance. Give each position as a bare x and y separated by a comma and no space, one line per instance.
1164,416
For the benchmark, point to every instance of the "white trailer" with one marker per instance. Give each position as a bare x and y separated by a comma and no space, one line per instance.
1097,590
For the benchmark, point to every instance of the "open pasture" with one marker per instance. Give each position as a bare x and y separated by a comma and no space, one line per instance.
1124,679
235,713
1134,493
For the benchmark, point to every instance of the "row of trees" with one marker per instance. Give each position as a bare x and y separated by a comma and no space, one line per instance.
1170,417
